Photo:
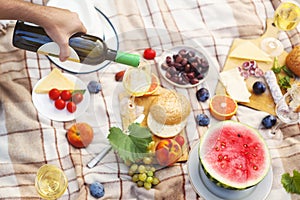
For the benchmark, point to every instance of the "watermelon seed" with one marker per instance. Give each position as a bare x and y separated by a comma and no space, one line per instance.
223,144
217,148
220,157
225,157
254,154
255,167
239,135
245,145
240,166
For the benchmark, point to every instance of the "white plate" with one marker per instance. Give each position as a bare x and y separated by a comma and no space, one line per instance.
45,105
208,190
109,36
199,51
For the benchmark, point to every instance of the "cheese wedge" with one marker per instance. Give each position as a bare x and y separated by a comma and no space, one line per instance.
235,85
249,51
54,80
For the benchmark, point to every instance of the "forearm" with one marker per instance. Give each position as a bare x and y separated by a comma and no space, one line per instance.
59,24
18,9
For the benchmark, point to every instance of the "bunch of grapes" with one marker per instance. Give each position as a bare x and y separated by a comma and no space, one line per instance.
143,174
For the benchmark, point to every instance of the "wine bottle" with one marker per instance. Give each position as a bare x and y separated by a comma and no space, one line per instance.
90,49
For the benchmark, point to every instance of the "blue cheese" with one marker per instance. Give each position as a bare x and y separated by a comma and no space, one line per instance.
235,85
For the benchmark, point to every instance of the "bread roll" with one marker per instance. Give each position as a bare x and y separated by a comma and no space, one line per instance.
293,60
170,108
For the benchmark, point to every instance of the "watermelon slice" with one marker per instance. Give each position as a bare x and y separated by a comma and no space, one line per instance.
234,155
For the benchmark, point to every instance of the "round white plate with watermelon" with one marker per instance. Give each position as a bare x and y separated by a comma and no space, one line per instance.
208,190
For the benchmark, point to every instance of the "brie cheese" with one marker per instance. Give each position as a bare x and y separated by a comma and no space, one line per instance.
235,85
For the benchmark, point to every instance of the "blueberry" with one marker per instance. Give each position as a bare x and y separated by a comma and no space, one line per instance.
259,87
202,94
94,87
97,190
269,121
202,119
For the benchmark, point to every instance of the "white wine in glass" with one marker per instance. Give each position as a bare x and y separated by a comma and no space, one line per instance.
50,182
287,16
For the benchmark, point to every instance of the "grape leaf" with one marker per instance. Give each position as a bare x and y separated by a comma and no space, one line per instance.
291,183
133,146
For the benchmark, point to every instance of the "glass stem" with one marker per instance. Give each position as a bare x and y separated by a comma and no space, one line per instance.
276,127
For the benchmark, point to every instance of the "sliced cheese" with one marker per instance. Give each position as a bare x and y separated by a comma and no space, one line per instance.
235,85
54,80
248,50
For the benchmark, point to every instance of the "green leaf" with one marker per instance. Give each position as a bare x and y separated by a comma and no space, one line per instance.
284,82
287,71
133,146
78,91
276,68
291,183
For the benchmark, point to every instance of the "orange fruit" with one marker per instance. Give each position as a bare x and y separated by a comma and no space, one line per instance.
80,135
154,85
222,107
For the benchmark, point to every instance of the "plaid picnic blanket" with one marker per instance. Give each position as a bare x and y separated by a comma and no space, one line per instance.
28,139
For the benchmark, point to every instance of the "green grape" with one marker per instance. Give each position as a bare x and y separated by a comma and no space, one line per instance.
147,160
149,179
151,145
133,167
147,185
135,178
155,181
142,176
140,183
131,173
150,173
152,169
128,162
142,169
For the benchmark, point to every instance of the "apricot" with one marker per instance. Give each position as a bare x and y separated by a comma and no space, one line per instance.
80,135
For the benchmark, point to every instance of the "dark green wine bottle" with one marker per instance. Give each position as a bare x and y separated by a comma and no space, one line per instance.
90,49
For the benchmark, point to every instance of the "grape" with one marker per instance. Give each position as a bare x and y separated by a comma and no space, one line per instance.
155,181
142,176
128,162
135,178
140,183
152,169
149,173
147,160
147,185
133,167
131,173
142,169
149,179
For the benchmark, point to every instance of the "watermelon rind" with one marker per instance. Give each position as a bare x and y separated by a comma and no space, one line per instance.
249,174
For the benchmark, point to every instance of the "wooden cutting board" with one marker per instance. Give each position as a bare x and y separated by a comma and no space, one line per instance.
144,104
263,102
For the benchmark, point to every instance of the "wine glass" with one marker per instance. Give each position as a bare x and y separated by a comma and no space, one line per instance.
286,18
137,81
288,112
50,182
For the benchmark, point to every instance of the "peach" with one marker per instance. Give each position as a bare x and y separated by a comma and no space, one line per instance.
167,152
